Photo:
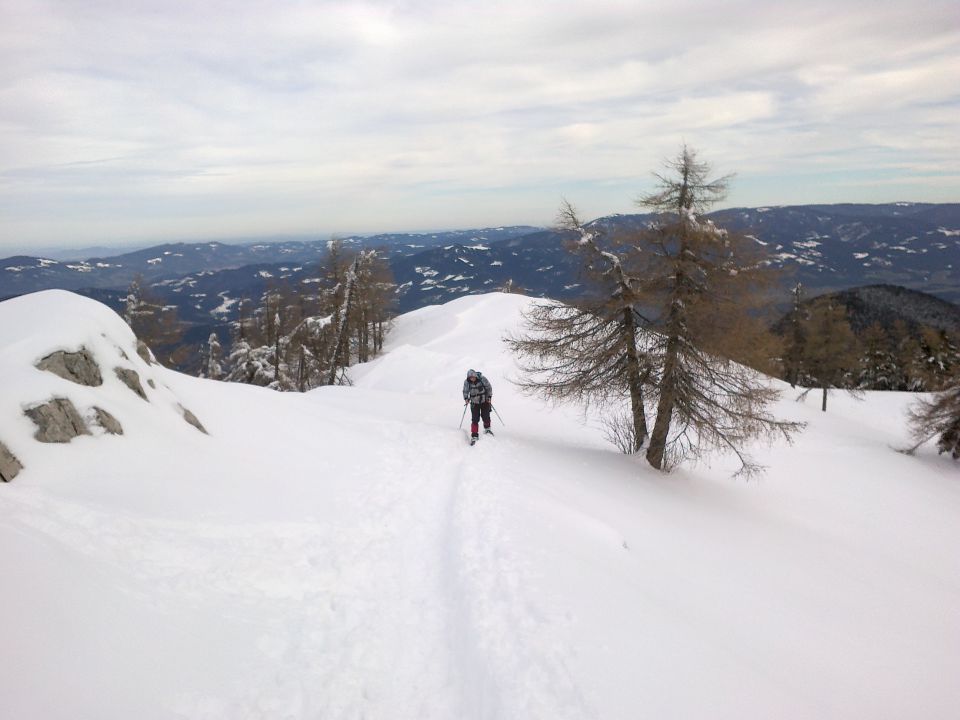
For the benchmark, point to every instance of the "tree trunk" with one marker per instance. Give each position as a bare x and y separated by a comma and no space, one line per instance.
364,337
276,357
302,371
661,428
823,407
635,381
343,330
668,383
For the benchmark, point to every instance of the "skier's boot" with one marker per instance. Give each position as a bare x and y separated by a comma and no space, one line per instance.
473,439
487,431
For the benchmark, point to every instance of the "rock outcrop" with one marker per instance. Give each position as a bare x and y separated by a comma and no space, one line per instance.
145,353
131,379
55,336
107,421
9,465
192,419
57,421
78,367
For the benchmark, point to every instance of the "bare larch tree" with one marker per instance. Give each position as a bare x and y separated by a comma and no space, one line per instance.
672,324
704,285
831,352
937,416
587,351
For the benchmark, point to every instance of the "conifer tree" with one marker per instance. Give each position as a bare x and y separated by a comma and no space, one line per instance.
588,350
878,368
795,338
696,284
213,359
939,358
297,340
831,352
911,366
703,285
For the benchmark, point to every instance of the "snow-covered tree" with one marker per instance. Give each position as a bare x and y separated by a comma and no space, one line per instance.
213,359
878,367
939,358
303,337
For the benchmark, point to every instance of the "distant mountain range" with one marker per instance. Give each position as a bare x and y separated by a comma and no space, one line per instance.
826,247
24,274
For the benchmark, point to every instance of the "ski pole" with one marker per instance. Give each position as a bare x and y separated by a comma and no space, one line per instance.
465,414
498,415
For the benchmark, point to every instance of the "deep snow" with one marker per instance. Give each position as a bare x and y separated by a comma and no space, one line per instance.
345,554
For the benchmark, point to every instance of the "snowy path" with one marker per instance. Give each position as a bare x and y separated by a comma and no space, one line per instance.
409,604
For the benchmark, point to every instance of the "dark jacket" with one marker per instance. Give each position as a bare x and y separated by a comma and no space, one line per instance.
479,392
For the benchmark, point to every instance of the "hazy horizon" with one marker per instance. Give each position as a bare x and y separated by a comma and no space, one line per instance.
66,251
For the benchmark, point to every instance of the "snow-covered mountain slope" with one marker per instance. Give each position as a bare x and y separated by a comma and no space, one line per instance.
345,554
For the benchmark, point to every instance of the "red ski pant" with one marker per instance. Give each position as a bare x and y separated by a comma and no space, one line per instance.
478,410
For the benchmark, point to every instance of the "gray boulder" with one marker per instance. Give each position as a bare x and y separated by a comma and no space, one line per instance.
192,419
57,421
108,422
9,465
145,353
78,367
131,379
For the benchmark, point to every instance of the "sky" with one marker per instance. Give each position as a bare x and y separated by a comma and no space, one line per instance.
133,122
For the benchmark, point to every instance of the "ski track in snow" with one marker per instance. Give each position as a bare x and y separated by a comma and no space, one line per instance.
417,611
522,672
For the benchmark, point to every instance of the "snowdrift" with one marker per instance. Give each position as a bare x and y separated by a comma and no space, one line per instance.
345,554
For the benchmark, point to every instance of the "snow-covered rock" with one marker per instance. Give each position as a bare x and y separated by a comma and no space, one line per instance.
71,367
57,421
79,367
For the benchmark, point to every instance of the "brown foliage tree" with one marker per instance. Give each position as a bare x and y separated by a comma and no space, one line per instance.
587,351
831,353
938,416
704,284
696,285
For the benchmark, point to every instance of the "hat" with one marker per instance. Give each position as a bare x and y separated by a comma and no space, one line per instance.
471,373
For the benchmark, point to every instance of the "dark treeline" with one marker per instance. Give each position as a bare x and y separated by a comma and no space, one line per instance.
825,345
303,336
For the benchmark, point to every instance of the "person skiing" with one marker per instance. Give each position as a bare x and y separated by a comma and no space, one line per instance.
478,392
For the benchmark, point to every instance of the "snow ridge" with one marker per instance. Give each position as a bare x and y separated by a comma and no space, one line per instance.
344,554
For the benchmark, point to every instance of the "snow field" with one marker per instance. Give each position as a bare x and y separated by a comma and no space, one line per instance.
345,554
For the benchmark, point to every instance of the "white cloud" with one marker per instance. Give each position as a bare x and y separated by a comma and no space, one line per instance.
376,115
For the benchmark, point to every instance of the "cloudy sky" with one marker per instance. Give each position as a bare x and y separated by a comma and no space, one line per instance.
125,121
